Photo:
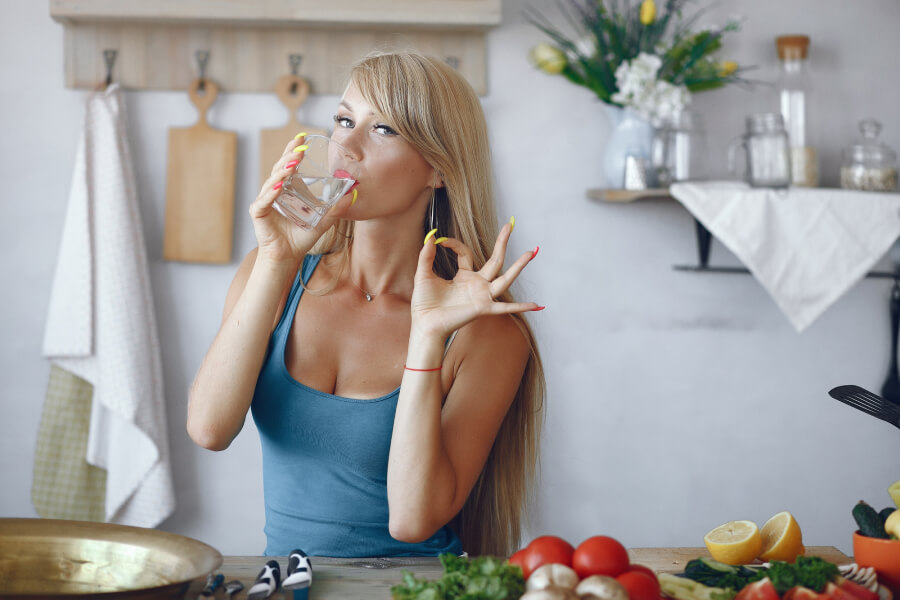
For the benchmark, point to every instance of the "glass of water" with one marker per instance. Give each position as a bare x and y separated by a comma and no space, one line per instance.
325,175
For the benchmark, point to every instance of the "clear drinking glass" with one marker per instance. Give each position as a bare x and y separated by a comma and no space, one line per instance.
325,175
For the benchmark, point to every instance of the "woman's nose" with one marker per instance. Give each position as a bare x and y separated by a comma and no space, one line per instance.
351,143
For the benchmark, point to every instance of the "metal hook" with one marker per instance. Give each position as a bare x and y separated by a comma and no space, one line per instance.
202,60
453,61
109,56
295,60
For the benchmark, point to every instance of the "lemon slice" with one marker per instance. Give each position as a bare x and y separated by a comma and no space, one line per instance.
734,543
894,491
781,538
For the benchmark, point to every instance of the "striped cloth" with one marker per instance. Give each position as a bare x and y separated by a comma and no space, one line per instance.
65,486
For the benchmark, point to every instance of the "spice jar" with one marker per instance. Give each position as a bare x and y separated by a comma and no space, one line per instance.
869,165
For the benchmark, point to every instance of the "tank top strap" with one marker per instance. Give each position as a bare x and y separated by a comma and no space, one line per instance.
310,262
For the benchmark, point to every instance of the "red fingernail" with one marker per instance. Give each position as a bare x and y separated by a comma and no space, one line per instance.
278,185
292,164
535,251
538,308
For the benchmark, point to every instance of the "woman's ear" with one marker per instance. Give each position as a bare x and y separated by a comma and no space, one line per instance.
438,180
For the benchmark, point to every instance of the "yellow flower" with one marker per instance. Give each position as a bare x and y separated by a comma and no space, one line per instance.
548,58
648,12
727,68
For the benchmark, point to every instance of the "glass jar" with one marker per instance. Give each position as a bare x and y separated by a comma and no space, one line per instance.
794,86
869,165
766,146
679,149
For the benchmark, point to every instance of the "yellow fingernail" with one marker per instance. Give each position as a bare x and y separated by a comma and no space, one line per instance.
300,135
512,224
302,148
440,240
355,195
428,237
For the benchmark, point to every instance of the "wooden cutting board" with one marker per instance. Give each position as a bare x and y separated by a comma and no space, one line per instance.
273,141
199,222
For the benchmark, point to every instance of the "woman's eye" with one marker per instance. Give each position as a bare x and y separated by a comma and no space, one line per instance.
385,130
345,122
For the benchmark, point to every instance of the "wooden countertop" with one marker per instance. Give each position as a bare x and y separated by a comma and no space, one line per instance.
371,579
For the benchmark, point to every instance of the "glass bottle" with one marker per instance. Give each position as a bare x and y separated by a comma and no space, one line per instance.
679,149
869,165
793,87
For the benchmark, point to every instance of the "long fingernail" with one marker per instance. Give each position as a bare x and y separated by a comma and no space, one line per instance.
300,135
534,252
278,185
512,224
292,164
440,240
355,196
428,237
302,148
538,308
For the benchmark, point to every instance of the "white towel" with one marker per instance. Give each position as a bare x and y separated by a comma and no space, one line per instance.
807,247
101,323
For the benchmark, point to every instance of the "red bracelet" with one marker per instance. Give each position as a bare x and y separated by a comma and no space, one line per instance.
423,370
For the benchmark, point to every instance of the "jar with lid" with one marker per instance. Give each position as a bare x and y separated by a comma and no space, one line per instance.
679,149
869,165
794,87
766,147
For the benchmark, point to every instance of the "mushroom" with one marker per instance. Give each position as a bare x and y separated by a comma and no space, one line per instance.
555,575
601,587
550,593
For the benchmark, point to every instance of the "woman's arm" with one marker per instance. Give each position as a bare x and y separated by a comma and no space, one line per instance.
223,388
437,452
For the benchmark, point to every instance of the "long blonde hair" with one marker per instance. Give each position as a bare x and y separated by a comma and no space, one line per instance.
433,108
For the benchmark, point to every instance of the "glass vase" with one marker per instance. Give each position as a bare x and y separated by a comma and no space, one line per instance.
632,135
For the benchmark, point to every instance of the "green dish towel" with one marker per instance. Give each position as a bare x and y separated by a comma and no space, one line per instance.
65,486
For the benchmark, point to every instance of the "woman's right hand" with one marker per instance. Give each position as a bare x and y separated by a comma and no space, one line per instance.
278,238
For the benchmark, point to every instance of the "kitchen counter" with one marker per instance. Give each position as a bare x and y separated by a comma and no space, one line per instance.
371,579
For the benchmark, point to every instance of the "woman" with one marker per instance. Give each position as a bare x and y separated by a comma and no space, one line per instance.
415,429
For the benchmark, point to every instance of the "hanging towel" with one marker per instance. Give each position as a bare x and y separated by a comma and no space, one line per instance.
65,485
806,246
101,324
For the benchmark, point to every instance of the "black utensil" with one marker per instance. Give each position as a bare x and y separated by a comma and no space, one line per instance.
891,388
871,404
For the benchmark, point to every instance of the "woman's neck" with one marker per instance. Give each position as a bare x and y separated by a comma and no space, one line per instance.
381,261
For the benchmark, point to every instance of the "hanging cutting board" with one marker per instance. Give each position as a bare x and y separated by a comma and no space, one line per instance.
273,141
200,186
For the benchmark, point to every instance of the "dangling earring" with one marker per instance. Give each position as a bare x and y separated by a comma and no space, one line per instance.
432,211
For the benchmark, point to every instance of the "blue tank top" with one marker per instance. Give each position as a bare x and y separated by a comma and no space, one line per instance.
325,461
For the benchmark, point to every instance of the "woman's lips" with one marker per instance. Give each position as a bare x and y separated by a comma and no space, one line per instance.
341,174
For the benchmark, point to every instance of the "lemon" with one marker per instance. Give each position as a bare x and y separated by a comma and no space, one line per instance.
734,543
894,491
781,538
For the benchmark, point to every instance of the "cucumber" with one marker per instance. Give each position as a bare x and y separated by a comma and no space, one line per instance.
682,588
869,521
884,513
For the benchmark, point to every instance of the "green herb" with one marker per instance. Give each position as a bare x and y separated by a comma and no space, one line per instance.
717,574
809,571
479,578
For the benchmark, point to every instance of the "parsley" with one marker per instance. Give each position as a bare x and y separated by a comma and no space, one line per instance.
809,571
479,578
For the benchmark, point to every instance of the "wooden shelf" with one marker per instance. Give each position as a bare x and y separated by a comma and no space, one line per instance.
604,195
250,41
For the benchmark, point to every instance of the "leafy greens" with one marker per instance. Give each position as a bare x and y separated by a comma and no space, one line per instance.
478,578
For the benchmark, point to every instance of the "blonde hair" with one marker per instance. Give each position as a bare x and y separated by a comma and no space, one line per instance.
432,107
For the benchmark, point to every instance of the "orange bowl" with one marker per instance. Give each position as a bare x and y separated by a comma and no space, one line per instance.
883,555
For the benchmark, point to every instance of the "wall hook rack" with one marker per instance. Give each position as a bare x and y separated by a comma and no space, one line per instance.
109,57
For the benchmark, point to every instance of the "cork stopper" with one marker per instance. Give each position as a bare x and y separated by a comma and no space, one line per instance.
792,47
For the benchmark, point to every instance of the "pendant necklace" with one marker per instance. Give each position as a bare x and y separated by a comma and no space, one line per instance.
368,296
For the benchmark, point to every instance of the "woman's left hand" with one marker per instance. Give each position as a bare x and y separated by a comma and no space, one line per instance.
439,306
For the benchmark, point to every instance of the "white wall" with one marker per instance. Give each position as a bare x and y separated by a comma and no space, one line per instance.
677,401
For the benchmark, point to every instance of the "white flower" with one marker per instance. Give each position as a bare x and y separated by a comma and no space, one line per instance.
640,90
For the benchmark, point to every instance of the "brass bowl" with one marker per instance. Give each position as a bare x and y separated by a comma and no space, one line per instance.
46,558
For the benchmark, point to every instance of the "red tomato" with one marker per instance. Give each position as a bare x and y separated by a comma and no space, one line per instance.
642,569
839,593
799,592
760,590
600,555
860,592
639,585
545,550
518,558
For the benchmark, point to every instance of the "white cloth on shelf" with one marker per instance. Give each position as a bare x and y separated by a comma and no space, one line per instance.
101,323
806,246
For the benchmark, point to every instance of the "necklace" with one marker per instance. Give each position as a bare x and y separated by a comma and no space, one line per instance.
367,294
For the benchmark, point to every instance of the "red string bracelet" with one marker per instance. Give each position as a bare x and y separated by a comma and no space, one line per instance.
423,370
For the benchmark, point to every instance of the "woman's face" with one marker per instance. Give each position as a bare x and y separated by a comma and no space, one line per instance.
393,176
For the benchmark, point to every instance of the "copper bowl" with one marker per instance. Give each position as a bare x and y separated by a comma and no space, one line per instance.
880,554
46,558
